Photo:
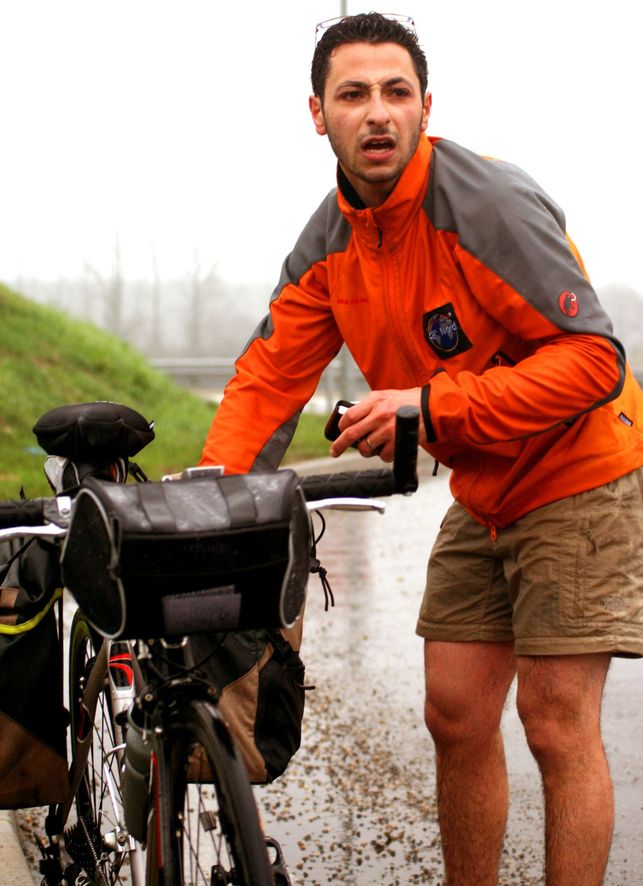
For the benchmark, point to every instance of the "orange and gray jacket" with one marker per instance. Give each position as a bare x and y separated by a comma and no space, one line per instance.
464,279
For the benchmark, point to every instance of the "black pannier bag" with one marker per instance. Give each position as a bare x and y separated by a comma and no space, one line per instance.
189,556
33,719
261,678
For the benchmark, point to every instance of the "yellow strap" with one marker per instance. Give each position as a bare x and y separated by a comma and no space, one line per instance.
28,625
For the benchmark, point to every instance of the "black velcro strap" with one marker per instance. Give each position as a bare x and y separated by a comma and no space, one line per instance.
156,509
239,499
213,609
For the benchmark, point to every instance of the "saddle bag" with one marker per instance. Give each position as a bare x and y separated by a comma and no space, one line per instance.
189,556
96,432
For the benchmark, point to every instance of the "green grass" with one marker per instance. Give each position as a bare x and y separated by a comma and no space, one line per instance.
48,358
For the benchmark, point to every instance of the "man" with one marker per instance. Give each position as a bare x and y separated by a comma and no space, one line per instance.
452,281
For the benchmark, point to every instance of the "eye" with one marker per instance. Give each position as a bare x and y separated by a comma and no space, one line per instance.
350,95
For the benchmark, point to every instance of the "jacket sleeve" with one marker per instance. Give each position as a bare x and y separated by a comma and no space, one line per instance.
521,267
280,367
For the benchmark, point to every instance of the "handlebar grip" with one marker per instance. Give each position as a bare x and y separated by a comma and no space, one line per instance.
372,483
406,449
348,484
30,512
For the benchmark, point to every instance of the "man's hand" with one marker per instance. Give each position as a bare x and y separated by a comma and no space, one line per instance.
371,423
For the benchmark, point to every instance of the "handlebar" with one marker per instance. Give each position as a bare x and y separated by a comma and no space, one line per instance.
35,511
51,516
401,478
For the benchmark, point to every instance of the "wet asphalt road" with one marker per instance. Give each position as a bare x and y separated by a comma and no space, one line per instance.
356,805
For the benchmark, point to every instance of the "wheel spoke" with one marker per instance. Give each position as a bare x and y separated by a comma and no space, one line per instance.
94,837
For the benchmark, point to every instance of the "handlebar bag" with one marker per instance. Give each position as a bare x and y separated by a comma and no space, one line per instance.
189,556
95,432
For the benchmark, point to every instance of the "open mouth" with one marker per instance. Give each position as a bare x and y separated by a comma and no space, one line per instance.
378,145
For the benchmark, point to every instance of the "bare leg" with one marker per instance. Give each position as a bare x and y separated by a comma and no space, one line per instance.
559,700
466,687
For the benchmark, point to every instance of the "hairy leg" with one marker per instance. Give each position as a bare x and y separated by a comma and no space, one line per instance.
559,701
466,687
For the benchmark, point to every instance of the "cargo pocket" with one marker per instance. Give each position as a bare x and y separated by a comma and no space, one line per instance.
605,559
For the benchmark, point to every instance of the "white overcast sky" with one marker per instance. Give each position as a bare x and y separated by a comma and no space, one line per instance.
182,127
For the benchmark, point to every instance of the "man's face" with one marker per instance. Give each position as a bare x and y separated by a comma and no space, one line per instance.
373,113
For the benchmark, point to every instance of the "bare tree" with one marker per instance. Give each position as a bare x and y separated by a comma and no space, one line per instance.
112,291
202,290
156,336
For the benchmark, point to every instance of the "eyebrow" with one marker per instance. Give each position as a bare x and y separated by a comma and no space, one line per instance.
362,84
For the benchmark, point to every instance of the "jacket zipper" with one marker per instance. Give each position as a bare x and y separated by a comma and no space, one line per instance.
391,307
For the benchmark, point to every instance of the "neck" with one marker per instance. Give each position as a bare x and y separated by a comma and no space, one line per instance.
362,194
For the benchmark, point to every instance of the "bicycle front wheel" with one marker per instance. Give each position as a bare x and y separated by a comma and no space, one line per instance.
205,829
95,836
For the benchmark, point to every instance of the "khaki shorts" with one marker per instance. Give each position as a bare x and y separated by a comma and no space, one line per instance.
565,579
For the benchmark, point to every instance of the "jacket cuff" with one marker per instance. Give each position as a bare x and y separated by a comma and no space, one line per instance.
426,415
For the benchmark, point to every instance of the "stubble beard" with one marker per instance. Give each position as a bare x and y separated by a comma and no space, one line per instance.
374,175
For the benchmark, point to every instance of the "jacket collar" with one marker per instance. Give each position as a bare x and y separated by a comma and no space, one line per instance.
389,221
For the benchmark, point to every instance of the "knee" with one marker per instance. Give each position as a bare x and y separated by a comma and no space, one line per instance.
554,728
559,703
452,721
466,686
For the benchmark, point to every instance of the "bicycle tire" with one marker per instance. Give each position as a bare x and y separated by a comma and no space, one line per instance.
204,831
95,837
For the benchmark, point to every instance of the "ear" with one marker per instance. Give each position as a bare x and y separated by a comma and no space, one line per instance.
426,110
315,105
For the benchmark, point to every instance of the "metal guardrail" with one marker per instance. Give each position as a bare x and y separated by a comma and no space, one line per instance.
202,367
341,378
215,372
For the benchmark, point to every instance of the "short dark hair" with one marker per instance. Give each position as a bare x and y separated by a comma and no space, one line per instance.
367,27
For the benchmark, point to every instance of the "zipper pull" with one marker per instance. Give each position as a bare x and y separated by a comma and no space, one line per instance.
493,532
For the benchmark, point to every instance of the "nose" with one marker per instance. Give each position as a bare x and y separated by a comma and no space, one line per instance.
378,114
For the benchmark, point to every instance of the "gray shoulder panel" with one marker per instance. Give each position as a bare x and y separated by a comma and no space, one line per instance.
326,232
273,451
504,219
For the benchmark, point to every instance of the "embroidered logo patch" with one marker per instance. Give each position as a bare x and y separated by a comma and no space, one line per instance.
443,332
568,303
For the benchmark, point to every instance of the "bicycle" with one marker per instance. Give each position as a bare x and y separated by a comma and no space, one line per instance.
158,790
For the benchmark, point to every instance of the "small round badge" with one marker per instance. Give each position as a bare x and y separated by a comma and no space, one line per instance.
443,333
568,303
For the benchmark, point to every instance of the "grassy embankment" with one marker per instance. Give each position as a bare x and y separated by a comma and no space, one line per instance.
48,358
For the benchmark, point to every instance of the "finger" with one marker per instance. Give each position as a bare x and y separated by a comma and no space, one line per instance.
373,448
346,438
365,449
356,413
353,436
